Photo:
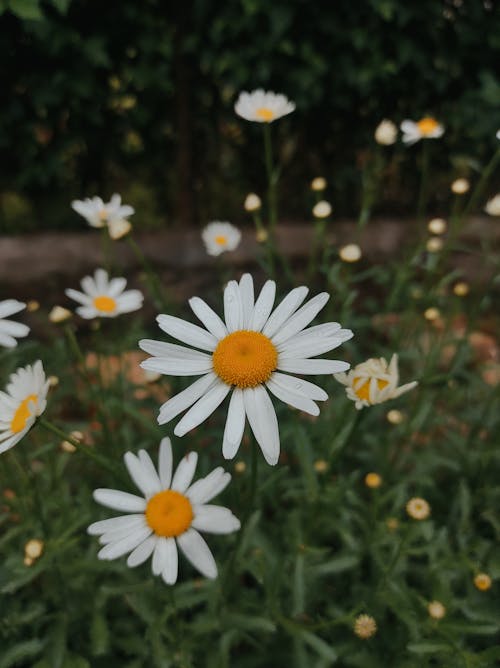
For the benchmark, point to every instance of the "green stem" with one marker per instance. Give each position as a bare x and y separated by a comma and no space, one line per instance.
271,180
481,185
152,279
75,347
423,194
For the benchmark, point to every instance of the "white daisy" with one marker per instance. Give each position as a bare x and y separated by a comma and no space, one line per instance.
219,237
254,349
105,298
426,128
492,206
22,402
373,382
10,330
169,515
263,107
113,214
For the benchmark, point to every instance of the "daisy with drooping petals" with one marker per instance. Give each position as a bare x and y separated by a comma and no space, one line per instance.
113,214
426,128
252,351
169,515
373,382
22,402
10,330
263,106
105,298
219,237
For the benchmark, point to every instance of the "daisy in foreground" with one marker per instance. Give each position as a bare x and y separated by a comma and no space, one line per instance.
246,355
10,330
263,107
373,382
171,513
22,402
112,215
105,298
219,237
426,128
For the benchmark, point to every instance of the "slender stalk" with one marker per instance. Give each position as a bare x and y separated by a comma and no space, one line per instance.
152,278
423,194
271,178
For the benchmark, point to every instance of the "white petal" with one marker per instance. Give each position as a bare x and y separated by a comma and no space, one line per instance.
301,318
300,386
163,349
169,573
303,346
10,306
263,306
155,485
114,535
79,297
284,310
165,462
202,408
148,484
205,489
185,472
127,544
233,308
262,418
178,403
198,553
142,552
314,367
208,317
121,522
178,367
235,425
247,299
215,519
160,555
187,332
12,328
116,286
296,400
113,498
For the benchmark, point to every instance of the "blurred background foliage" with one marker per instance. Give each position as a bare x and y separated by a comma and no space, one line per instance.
138,97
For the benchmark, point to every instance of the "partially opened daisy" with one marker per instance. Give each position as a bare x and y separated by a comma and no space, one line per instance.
263,106
22,402
219,237
105,298
373,382
250,353
426,128
170,514
10,330
113,214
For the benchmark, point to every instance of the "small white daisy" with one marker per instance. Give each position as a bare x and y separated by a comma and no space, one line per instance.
253,351
492,206
113,214
426,128
22,402
10,330
386,133
373,382
171,514
105,298
219,237
263,106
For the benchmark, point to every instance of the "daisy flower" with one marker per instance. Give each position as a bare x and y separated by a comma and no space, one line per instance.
105,298
492,206
113,214
9,329
248,354
263,107
426,128
219,237
373,382
170,514
22,402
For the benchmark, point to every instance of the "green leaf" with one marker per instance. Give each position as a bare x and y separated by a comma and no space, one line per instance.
320,646
21,651
335,565
99,634
26,9
428,647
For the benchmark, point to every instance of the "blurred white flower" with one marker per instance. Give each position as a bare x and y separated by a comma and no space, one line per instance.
386,133
59,314
99,214
119,228
9,329
263,106
460,186
373,382
492,206
103,297
426,128
219,237
350,253
318,184
252,202
434,244
322,209
437,226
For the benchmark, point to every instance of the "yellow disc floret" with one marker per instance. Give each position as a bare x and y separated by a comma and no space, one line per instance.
363,391
169,513
22,414
105,304
245,359
427,125
265,114
221,240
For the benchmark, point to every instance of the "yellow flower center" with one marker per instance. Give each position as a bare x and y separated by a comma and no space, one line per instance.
245,359
105,303
427,125
265,114
103,215
22,414
363,391
169,513
221,240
